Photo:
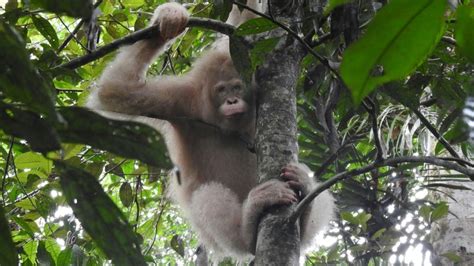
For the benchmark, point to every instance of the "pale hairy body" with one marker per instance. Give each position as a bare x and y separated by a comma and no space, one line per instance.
205,116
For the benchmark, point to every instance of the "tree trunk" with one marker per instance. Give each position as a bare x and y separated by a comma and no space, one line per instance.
276,145
454,234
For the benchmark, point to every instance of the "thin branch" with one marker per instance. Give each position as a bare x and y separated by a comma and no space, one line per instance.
459,160
371,109
76,30
435,133
137,203
5,170
439,161
72,35
141,35
158,219
295,35
24,197
108,171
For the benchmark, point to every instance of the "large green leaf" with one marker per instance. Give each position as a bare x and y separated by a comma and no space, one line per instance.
465,30
99,216
69,7
31,160
399,38
19,79
29,126
8,254
127,139
46,29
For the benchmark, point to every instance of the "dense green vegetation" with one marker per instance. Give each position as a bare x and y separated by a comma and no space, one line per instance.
77,188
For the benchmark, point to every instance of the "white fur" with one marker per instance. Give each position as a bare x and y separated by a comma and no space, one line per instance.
218,189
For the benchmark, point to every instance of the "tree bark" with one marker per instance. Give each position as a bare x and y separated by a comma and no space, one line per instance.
276,145
454,233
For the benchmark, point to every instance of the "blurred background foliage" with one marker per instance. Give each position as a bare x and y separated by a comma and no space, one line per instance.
77,188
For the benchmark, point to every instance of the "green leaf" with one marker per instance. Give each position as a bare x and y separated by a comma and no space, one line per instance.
378,234
65,257
19,79
452,256
440,211
8,254
72,8
29,126
398,39
221,9
71,150
260,49
349,217
99,216
30,227
255,26
126,194
127,139
45,28
240,56
140,23
43,257
53,248
333,4
31,249
363,218
464,31
32,160
177,245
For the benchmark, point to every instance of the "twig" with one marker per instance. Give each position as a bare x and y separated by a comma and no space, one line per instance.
137,188
144,34
108,171
72,35
76,29
158,219
29,195
371,109
5,169
439,161
329,161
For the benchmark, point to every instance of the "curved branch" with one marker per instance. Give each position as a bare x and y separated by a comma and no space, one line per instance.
439,161
147,33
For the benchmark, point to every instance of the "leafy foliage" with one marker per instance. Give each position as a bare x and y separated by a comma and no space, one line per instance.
400,37
100,216
79,188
